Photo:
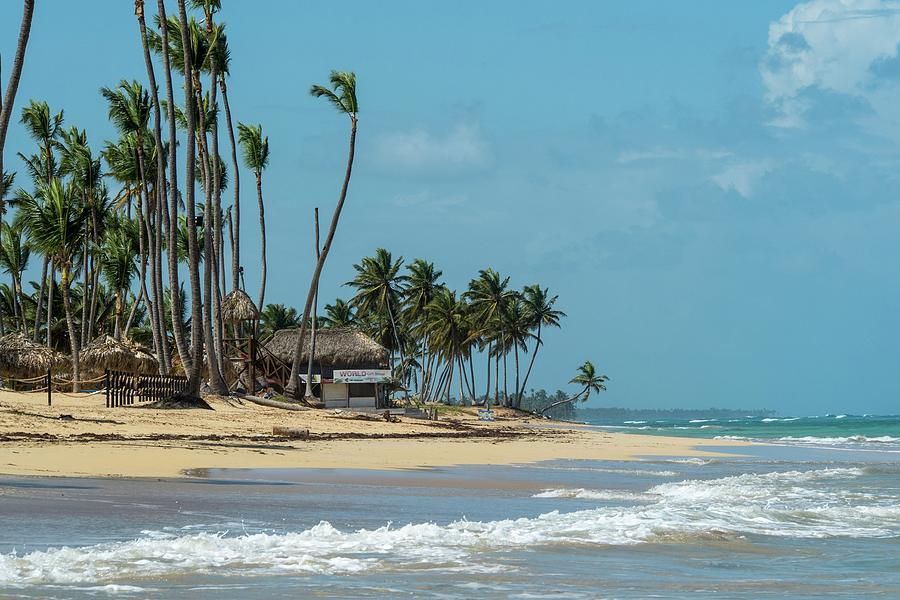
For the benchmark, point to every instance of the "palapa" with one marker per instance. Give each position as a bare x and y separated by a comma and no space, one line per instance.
20,357
105,352
340,346
237,307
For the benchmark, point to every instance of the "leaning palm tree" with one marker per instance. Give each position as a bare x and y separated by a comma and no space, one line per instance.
12,87
56,226
587,376
255,149
341,95
539,306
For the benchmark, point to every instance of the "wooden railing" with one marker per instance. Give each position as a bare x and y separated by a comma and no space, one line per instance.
257,360
122,388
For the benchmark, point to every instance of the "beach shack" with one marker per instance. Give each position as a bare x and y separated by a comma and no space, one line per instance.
350,369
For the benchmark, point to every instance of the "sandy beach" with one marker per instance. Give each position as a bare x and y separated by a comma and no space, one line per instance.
79,436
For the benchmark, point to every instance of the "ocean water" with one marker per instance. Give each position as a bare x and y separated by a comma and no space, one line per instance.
774,521
849,432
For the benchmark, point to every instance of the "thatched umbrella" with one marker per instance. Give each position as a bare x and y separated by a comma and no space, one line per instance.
237,307
340,346
106,352
20,357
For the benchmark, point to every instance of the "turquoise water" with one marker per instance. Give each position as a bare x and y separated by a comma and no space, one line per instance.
776,521
865,432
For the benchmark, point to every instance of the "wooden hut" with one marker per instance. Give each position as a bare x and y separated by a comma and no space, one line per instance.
105,352
237,307
22,358
350,369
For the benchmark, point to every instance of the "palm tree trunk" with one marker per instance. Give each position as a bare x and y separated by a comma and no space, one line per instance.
131,314
236,178
262,239
515,400
537,345
176,300
95,274
12,86
145,239
487,391
50,287
219,262
84,292
40,300
298,350
312,340
73,340
558,403
194,258
117,332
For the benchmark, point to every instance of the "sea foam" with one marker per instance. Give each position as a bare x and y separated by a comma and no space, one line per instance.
802,504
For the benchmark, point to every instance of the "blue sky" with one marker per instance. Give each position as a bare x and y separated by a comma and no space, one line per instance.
710,187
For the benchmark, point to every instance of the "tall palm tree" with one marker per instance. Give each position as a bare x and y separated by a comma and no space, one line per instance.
517,329
130,110
379,289
421,286
342,96
12,86
488,294
176,296
255,150
56,226
587,376
44,128
539,305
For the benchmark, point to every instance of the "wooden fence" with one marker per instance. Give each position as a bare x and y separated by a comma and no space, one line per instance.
122,388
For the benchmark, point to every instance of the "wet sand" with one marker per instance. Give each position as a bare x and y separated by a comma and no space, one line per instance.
78,436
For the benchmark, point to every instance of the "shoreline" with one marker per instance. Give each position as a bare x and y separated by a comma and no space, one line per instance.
79,437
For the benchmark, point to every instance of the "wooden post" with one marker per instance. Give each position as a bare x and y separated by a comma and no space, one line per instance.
106,384
49,387
252,353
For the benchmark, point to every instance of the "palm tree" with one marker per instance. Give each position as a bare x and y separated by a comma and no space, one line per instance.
55,226
118,265
255,149
488,294
339,314
341,95
12,87
44,128
422,284
14,255
379,289
539,305
587,376
130,111
176,296
276,317
518,325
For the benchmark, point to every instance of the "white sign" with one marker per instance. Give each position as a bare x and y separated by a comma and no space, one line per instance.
362,376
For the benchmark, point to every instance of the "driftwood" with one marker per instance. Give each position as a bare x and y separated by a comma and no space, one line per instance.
272,403
291,432
385,416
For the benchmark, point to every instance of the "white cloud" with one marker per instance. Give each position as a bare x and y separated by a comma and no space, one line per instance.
463,148
828,45
743,177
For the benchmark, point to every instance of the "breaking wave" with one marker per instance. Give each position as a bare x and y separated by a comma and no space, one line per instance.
801,504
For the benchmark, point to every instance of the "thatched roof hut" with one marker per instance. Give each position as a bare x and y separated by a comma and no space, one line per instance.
343,346
105,352
237,306
20,357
